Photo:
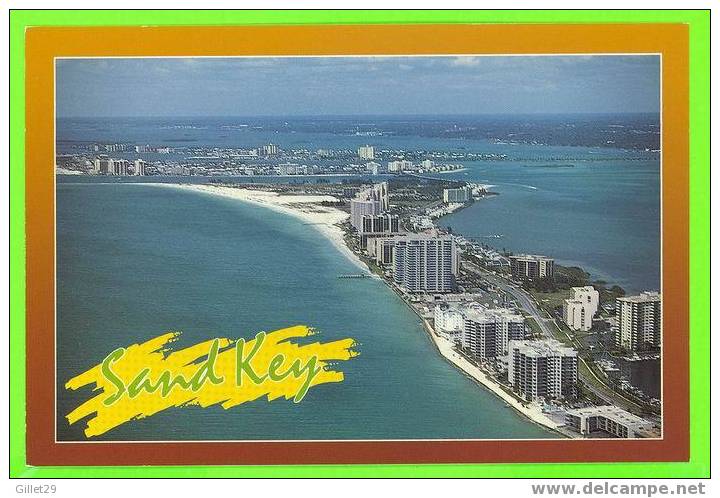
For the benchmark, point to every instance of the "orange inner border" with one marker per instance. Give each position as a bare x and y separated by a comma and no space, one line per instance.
44,44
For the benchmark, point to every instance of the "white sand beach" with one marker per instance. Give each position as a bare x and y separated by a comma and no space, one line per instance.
530,410
325,219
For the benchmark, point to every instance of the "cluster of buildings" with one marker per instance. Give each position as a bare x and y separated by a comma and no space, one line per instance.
536,369
367,153
104,165
296,169
419,262
145,149
218,161
638,318
123,147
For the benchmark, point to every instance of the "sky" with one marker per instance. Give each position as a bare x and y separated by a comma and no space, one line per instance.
310,86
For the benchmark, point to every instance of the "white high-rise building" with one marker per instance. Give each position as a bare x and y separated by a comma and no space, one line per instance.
359,208
366,152
425,263
101,165
639,320
579,311
269,149
140,166
106,166
542,369
486,332
381,248
373,168
457,195
371,201
399,166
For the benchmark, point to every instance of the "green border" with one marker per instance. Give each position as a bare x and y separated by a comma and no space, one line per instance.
699,22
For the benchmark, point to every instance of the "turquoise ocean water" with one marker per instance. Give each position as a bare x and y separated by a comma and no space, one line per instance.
135,261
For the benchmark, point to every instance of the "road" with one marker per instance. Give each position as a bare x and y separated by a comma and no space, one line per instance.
527,304
521,296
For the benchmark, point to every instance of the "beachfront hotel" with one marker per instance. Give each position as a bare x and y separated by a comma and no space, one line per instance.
457,195
579,311
610,420
366,152
425,263
542,369
449,321
638,322
531,266
487,332
372,201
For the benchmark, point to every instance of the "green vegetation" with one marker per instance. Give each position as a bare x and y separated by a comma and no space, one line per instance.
551,292
608,294
551,301
536,330
570,276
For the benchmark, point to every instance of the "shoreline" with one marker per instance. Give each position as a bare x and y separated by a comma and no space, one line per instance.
447,351
326,220
531,412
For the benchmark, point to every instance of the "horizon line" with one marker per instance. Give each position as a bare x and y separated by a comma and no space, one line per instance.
265,116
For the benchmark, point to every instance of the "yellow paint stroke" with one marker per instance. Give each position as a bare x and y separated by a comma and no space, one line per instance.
157,356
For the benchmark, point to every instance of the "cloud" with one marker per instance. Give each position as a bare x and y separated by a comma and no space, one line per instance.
376,85
465,61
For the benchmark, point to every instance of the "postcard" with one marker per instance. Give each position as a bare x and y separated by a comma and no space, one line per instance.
357,244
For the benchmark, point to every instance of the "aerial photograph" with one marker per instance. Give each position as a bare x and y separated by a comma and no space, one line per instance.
487,230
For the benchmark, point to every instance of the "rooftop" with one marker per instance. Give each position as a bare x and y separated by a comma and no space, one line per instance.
543,347
478,314
643,297
531,257
587,288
